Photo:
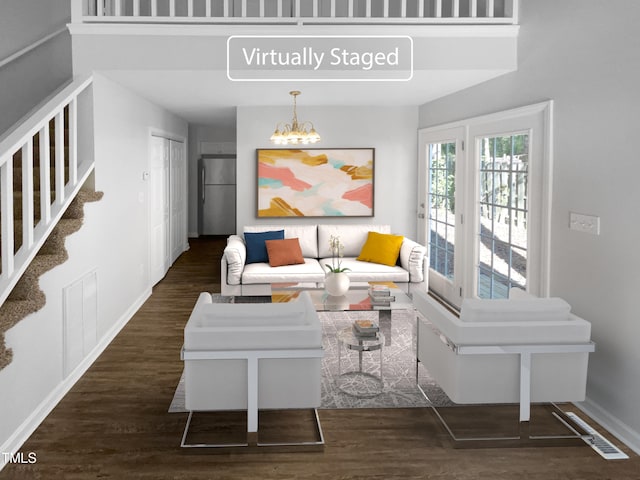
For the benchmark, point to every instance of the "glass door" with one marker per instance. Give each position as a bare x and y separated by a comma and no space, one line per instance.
441,159
484,204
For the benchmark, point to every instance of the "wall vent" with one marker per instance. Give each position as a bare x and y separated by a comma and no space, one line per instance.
80,315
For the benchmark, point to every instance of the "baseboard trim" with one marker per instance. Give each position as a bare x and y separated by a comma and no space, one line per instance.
614,425
26,429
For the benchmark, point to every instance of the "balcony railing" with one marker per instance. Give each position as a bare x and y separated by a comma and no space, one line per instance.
297,12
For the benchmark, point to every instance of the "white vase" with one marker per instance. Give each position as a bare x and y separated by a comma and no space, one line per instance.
336,284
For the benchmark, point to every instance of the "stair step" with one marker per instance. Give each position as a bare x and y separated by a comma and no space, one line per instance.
17,204
17,177
73,211
11,312
29,282
66,226
17,157
51,254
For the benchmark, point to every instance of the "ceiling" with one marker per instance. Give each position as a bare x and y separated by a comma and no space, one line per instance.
207,97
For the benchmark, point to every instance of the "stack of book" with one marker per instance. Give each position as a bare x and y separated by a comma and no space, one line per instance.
380,295
365,328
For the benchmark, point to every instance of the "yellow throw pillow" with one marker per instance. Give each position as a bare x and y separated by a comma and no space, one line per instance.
381,248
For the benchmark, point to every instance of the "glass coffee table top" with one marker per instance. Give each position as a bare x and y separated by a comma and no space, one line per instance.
356,299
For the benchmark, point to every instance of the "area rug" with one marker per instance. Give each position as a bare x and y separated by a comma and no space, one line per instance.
399,388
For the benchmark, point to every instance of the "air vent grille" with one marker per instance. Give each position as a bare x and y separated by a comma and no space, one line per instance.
604,447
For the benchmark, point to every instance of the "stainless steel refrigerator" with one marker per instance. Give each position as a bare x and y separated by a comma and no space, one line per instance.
217,212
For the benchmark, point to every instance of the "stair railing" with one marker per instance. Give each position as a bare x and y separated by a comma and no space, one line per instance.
58,114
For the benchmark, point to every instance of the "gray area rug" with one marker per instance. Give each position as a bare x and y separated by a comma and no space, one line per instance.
398,390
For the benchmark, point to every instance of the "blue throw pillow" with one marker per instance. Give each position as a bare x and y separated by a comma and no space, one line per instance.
256,249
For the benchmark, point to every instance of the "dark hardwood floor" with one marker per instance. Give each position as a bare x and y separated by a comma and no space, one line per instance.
114,422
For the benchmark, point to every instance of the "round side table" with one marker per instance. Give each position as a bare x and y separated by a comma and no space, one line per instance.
359,381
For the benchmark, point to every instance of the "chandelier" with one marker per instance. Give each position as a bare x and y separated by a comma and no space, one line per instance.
295,133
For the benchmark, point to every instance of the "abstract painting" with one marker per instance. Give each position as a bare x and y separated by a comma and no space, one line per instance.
315,182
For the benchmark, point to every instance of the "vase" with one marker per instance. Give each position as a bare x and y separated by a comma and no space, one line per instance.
336,284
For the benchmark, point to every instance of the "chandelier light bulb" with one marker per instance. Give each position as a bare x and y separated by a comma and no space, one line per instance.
295,133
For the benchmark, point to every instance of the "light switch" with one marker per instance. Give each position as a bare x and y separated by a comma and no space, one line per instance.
584,223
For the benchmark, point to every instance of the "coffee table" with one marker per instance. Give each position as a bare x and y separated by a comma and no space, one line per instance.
355,300
356,381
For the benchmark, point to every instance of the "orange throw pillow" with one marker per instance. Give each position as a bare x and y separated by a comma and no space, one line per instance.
284,252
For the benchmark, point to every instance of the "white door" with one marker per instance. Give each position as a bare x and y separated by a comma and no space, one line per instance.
441,195
177,199
159,228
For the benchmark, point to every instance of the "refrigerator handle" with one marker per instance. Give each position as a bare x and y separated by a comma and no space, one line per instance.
202,183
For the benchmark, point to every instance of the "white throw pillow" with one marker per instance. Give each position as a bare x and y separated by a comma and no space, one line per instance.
412,257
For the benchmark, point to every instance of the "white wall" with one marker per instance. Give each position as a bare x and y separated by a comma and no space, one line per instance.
123,122
114,242
585,55
25,21
29,79
392,131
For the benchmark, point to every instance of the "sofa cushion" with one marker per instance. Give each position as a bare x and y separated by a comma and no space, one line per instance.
352,237
309,271
284,252
371,272
256,248
502,310
381,248
307,235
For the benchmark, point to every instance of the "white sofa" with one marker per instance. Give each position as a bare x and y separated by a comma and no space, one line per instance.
239,278
521,350
252,356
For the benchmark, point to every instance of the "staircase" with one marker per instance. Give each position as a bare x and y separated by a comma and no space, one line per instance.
27,297
56,193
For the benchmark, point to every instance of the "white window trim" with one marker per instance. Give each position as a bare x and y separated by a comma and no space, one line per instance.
539,284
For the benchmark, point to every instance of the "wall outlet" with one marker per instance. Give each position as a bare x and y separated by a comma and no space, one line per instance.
584,223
